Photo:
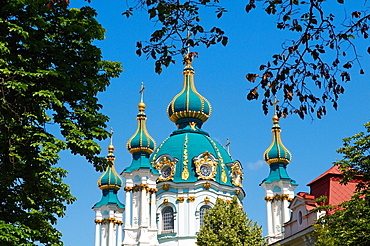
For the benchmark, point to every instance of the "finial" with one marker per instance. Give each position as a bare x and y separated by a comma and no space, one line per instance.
275,118
188,58
111,136
142,104
228,145
188,37
142,92
111,147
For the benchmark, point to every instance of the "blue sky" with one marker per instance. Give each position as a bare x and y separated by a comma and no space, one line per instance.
220,77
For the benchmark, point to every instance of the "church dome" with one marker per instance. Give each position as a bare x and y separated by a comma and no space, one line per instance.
189,105
190,154
277,153
110,178
141,141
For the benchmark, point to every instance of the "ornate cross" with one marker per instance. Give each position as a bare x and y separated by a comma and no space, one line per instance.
142,92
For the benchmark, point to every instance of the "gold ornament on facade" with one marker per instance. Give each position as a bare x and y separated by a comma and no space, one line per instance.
127,189
207,185
191,198
237,192
208,161
290,199
165,201
237,174
144,187
180,199
165,162
119,222
268,198
284,197
207,200
166,186
185,172
220,159
111,220
136,188
277,197
192,125
98,221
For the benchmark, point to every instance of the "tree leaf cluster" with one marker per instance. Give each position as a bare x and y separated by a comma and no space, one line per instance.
178,27
309,72
50,75
227,224
349,222
313,67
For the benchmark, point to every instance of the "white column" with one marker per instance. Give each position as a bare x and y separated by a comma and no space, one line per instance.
104,236
97,233
119,233
111,237
153,214
128,207
192,218
144,206
269,215
181,216
286,209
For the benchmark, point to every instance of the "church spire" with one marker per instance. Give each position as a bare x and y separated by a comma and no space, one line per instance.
141,141
141,144
189,106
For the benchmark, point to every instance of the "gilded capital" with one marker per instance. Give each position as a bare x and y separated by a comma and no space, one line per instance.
191,198
180,199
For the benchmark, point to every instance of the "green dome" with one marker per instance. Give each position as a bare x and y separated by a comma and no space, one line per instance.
277,153
141,141
110,178
181,156
189,105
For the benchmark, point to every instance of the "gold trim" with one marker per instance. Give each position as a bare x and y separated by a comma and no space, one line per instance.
223,172
277,197
284,197
127,189
208,159
185,172
161,163
103,187
268,199
207,185
207,200
165,201
166,187
191,198
180,199
237,174
98,221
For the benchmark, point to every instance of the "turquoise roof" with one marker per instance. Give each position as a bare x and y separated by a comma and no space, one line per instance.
277,153
141,145
278,172
277,156
189,105
141,141
110,182
110,178
186,144
109,197
189,146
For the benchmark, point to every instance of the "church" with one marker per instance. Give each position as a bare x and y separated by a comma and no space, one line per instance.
168,188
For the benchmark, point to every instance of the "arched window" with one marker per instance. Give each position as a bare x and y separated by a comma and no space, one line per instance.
203,210
168,220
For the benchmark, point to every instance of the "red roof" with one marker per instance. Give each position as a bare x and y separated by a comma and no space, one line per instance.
332,170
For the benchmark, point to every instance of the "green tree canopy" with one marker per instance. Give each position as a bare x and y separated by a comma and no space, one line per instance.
313,65
50,74
227,224
349,222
